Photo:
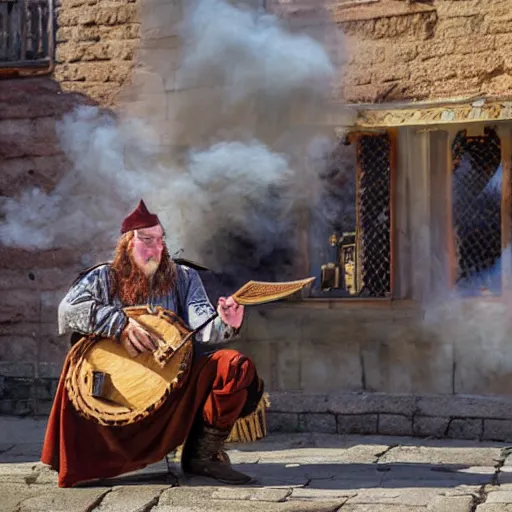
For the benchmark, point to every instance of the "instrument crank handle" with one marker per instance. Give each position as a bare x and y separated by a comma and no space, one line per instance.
195,331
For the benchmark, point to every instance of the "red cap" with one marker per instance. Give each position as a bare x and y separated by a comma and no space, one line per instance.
140,218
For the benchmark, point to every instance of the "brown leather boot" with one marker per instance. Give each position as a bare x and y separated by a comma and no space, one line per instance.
203,455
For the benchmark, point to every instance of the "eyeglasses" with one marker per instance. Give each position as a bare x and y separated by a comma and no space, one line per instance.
150,241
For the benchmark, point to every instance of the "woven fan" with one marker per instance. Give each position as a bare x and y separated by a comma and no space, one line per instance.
260,292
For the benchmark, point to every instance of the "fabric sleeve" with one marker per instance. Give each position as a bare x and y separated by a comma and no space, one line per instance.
199,309
86,308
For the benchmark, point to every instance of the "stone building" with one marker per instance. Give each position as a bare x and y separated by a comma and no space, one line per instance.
406,329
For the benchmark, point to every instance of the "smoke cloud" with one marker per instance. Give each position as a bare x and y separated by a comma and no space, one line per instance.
231,199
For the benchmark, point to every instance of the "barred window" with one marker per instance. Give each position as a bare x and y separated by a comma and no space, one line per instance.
476,177
26,35
350,238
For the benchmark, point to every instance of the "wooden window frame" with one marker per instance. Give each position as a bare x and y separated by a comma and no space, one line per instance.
504,132
353,138
25,66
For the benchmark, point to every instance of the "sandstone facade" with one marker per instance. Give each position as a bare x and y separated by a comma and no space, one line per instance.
398,50
111,53
95,46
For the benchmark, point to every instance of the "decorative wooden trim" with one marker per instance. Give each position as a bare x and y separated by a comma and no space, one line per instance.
452,264
359,266
505,134
477,111
393,136
506,155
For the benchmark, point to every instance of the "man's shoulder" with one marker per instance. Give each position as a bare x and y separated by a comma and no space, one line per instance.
95,270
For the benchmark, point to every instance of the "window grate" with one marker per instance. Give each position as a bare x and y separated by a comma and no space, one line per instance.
476,207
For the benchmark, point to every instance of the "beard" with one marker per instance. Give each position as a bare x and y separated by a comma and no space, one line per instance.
149,267
134,285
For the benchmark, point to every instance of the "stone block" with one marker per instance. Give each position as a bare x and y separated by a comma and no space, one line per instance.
17,369
465,406
42,408
64,500
497,430
260,495
17,407
426,426
357,423
49,370
299,402
494,507
265,323
358,403
397,359
504,497
45,389
282,422
329,365
465,428
148,105
18,388
18,348
451,504
161,20
131,498
324,423
288,367
395,425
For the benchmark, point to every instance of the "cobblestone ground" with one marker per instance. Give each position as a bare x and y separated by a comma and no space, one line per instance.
295,473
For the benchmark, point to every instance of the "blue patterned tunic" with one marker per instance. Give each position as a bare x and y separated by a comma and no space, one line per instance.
88,307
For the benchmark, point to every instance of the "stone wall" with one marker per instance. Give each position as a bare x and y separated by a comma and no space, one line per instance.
31,283
456,417
402,50
95,45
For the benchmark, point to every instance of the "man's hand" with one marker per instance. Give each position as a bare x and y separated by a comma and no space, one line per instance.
136,340
230,312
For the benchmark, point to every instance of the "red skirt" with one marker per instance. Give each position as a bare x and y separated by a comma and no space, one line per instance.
80,449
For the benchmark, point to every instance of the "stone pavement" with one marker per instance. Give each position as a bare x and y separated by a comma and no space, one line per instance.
292,472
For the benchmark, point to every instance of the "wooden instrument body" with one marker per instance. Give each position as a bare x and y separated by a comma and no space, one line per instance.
131,388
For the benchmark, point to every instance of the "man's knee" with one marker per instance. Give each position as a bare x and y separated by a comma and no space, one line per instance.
238,366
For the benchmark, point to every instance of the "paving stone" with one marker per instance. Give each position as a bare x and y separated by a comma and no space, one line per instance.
17,473
246,506
131,499
450,475
499,497
494,507
443,454
25,452
451,504
311,493
63,500
11,495
271,495
406,496
380,508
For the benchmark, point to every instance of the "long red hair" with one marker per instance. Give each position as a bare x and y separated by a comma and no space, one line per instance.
130,284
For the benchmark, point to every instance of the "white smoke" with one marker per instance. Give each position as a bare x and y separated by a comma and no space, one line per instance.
228,204
251,52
